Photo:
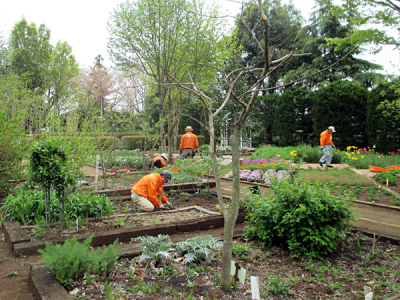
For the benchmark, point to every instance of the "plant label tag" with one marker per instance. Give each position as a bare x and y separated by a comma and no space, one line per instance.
368,293
233,268
241,275
255,289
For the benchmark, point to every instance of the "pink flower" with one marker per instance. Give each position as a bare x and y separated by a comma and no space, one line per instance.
112,170
368,147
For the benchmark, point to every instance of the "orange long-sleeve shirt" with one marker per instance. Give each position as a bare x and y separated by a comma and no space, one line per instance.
150,186
326,138
189,140
163,164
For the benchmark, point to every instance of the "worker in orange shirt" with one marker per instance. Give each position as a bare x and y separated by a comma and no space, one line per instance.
326,145
159,161
189,144
148,193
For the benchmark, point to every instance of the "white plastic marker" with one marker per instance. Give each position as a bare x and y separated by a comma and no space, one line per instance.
368,293
255,288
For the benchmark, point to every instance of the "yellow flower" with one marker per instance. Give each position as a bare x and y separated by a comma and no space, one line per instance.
379,157
362,156
279,156
295,155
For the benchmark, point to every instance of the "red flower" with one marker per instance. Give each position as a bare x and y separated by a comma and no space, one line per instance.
261,163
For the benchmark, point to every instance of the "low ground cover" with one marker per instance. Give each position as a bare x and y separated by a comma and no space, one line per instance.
358,261
336,176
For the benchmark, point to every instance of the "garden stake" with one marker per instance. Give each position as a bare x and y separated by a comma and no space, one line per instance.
235,277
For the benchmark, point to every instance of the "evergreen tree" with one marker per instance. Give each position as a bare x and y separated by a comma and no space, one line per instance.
285,22
263,115
341,104
313,39
383,131
293,120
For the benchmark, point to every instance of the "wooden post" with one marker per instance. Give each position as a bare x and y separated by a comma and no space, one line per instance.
96,177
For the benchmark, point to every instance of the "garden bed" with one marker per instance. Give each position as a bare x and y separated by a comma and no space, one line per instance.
359,261
107,230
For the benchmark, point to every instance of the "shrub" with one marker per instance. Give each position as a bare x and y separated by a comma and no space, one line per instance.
74,259
389,175
155,248
307,219
28,206
198,248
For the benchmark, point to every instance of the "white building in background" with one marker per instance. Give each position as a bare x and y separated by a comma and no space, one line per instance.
245,134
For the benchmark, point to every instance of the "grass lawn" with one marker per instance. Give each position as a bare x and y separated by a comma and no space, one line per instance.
338,176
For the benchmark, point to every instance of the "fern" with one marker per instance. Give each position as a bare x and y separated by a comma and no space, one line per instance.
69,260
198,248
155,248
73,259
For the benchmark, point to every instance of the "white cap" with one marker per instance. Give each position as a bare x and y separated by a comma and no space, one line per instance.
165,156
332,128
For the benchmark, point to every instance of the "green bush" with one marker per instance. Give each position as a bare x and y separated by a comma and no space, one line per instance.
307,219
140,142
389,175
28,206
74,259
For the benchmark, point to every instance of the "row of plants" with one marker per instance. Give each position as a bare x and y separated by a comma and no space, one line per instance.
360,158
27,206
75,261
266,177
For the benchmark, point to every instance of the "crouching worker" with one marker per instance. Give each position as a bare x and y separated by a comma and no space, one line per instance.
148,192
160,161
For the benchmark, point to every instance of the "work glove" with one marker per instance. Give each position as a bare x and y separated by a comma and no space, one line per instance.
181,152
167,204
333,146
322,147
161,206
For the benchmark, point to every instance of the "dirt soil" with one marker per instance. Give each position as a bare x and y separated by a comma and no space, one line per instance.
341,275
107,224
14,273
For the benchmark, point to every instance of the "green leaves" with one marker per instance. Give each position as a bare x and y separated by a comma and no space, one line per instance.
28,206
307,219
72,259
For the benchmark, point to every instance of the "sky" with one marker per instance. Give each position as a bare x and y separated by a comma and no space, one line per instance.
83,25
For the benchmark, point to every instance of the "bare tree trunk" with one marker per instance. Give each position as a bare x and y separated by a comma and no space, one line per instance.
169,133
230,218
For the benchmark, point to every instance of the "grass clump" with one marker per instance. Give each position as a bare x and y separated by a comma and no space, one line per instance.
340,177
389,175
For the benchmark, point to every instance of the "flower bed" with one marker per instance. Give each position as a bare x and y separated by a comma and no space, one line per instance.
362,158
264,177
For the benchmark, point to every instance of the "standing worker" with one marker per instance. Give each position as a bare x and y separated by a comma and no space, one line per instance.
159,161
189,144
326,145
148,192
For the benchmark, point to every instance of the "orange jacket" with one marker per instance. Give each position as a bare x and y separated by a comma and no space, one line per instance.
150,186
326,138
163,164
189,140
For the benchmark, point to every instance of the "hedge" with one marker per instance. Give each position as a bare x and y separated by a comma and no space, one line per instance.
146,142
